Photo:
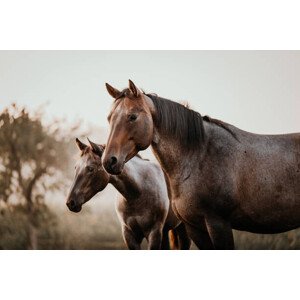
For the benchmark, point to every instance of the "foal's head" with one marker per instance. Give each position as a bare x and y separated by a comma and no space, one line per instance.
131,127
90,176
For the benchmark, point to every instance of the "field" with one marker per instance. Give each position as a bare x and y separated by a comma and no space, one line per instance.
97,227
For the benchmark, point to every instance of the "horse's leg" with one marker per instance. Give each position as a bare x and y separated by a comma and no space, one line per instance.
200,236
131,240
165,244
184,240
155,239
220,232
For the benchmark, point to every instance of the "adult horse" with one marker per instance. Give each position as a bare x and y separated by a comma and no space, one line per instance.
221,177
143,206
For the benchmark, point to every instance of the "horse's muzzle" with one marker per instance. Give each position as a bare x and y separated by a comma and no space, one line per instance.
73,206
113,166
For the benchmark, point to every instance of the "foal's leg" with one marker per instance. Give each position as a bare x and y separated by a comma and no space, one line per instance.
132,241
220,232
200,236
165,245
155,239
184,240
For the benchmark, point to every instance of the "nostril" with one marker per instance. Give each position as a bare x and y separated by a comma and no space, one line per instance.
113,160
71,204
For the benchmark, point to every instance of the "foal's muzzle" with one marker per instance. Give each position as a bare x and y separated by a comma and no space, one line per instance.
73,206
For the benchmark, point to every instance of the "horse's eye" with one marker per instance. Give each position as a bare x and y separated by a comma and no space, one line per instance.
132,117
90,169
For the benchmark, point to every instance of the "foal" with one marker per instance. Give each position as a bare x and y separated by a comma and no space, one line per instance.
143,207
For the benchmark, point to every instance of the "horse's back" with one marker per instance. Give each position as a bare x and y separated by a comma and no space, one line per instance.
151,178
267,179
251,180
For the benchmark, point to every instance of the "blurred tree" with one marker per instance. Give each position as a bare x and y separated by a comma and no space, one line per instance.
33,157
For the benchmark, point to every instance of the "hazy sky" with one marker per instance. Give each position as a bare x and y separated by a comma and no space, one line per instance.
257,91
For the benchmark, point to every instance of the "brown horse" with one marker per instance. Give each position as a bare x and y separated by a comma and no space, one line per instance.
143,207
221,177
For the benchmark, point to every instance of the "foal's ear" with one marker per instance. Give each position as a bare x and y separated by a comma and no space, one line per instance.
134,89
112,91
97,149
80,144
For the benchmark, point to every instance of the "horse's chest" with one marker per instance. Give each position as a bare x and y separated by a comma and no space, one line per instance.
193,203
186,205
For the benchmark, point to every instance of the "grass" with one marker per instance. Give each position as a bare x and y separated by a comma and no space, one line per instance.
100,229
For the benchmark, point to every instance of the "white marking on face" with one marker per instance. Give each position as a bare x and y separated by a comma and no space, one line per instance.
81,164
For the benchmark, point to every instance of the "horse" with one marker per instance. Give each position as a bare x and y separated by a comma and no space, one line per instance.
221,177
143,206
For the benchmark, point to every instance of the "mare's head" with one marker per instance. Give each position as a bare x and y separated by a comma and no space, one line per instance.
138,120
90,176
131,127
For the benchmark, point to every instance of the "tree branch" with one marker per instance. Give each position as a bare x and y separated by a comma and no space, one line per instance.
35,178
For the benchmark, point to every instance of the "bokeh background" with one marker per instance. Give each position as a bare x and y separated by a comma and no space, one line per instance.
47,98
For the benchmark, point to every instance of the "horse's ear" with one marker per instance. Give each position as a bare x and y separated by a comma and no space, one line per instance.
134,89
112,91
97,149
80,144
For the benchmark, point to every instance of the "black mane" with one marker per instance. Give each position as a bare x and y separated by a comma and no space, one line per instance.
180,120
220,124
183,123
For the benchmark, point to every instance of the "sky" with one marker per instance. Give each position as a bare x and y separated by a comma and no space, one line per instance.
258,91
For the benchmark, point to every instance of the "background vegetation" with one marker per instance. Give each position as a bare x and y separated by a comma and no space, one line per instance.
36,168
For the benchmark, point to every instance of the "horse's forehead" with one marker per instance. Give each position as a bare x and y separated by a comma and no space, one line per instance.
84,160
125,105
81,162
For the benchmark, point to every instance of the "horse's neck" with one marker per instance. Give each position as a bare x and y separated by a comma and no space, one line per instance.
126,183
171,156
178,161
169,151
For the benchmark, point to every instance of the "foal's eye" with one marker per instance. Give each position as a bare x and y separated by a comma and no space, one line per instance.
132,117
90,169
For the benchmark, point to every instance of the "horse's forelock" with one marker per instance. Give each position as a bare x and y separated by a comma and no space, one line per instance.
89,150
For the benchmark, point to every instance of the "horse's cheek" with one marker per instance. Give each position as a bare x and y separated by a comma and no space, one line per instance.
144,133
149,130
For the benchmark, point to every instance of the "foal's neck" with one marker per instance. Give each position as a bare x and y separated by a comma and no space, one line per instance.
126,183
